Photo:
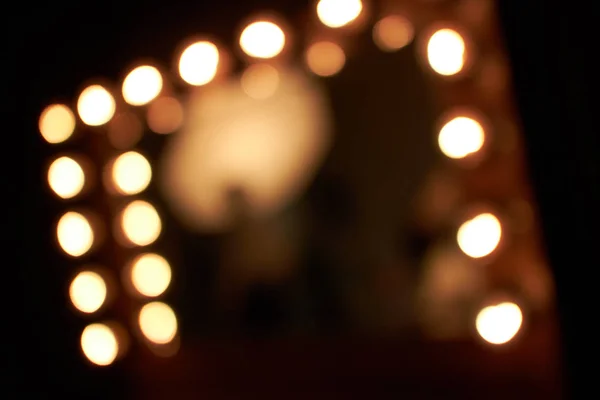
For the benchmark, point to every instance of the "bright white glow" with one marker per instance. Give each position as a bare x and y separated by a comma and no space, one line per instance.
198,63
140,223
262,39
158,322
95,106
88,291
446,52
337,13
479,236
460,137
74,234
150,274
500,323
66,177
99,344
131,173
142,85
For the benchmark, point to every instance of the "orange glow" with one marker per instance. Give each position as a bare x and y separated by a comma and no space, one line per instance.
75,234
140,223
150,274
393,33
460,137
131,173
446,52
142,85
124,131
338,13
66,177
260,81
57,123
198,63
88,292
479,236
99,344
165,115
158,322
262,39
95,106
325,58
500,323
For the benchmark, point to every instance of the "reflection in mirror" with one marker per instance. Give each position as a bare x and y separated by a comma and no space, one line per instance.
366,181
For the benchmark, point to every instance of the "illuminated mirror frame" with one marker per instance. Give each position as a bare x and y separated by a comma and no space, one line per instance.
479,89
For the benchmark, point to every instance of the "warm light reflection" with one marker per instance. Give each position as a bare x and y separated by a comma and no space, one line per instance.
150,274
66,177
87,291
479,236
142,85
393,33
325,58
99,344
75,234
158,322
262,39
140,223
500,323
131,173
56,123
260,81
232,141
198,63
337,13
95,106
446,52
165,115
460,137
124,131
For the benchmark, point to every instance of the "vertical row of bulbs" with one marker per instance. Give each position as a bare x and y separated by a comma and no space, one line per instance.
138,223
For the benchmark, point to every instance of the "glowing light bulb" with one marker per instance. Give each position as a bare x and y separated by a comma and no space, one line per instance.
500,323
262,39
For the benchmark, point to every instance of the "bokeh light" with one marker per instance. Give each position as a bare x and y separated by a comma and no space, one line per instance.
338,13
158,322
66,177
393,33
165,115
446,52
150,274
142,85
131,173
87,291
260,81
141,223
124,131
262,39
95,106
198,63
75,234
99,344
57,123
500,323
325,58
460,137
479,237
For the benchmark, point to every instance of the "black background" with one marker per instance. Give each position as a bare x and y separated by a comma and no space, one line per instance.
52,47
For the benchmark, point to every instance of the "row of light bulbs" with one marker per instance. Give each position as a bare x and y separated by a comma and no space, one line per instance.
459,137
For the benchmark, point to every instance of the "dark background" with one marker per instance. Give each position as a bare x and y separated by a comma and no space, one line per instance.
53,48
